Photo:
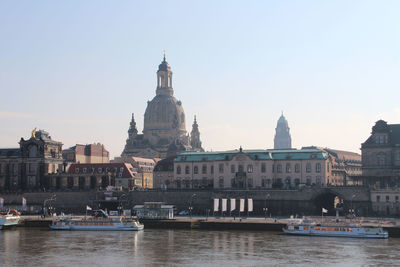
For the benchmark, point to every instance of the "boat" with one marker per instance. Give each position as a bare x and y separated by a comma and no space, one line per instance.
9,219
308,228
96,223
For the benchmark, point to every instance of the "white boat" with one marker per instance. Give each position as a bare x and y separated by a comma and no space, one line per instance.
300,227
96,224
9,219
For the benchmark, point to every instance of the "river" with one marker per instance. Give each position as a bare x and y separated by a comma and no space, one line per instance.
34,247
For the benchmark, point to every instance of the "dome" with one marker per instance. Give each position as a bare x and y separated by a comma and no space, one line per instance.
164,112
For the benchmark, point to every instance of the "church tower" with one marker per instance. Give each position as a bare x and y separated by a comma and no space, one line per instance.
132,132
195,137
282,138
164,79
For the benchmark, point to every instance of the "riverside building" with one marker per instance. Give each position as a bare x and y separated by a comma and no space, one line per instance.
248,169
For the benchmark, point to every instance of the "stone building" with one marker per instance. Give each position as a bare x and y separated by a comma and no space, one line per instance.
386,201
164,131
380,155
345,165
143,168
90,153
248,169
282,138
163,175
25,168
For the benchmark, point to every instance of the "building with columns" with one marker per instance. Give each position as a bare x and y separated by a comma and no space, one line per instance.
164,131
25,168
248,169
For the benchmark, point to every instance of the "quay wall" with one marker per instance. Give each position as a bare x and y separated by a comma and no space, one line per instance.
279,202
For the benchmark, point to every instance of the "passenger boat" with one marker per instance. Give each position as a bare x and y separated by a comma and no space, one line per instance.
9,219
96,223
302,227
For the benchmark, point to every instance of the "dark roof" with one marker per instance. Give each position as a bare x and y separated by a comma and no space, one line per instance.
10,152
393,131
165,165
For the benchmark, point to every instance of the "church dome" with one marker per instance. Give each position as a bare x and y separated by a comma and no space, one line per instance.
164,112
282,120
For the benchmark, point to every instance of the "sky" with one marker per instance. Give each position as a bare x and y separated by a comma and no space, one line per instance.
79,69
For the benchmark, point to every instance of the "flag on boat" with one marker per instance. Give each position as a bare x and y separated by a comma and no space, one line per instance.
233,204
324,210
1,202
224,204
242,205
88,208
23,203
249,204
216,204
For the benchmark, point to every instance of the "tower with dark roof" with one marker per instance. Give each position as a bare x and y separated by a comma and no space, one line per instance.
282,138
195,137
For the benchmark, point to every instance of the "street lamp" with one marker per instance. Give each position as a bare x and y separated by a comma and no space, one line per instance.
265,206
191,205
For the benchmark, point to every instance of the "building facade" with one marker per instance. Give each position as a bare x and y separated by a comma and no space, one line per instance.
282,139
164,131
93,176
143,168
25,168
249,169
90,153
380,155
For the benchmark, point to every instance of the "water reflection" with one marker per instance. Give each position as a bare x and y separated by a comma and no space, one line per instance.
31,247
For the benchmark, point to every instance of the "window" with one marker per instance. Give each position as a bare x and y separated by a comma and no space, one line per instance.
250,182
297,168
196,170
263,167
387,198
187,170
121,169
279,168
99,170
221,182
76,170
240,169
249,168
221,168
212,169
204,169
308,180
84,170
288,168
381,159
297,181
178,170
232,168
308,167
378,198
318,167
318,180
396,198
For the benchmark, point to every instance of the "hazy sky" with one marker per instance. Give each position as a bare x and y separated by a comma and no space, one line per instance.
78,69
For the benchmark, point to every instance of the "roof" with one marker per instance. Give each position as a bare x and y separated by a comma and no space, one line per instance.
10,152
164,165
269,154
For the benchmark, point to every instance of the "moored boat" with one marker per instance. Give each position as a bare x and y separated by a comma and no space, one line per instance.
96,223
9,219
301,227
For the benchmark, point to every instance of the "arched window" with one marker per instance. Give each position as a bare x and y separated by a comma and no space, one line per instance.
308,167
279,168
381,159
249,168
204,169
232,168
288,168
263,167
196,170
178,170
318,167
187,170
297,167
